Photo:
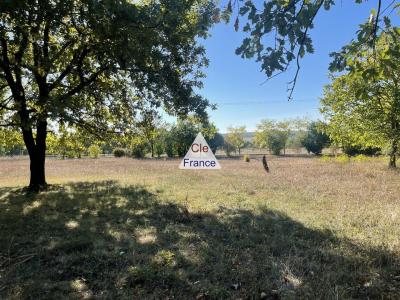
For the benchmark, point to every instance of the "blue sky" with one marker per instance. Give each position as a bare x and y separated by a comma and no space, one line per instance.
234,84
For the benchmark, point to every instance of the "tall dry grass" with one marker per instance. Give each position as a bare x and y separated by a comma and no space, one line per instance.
308,229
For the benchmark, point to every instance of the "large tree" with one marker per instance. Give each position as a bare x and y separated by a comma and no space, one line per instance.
185,131
363,105
82,62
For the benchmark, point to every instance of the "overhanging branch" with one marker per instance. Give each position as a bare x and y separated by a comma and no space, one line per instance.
292,84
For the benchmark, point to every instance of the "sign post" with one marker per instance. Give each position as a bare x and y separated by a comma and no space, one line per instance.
199,156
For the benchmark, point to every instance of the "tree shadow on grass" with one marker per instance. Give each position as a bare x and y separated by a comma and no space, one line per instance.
102,240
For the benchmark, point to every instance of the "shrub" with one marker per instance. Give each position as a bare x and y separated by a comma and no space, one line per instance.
216,142
276,141
361,158
315,140
119,152
169,146
169,150
159,148
325,158
139,148
353,150
94,151
344,158
228,148
246,158
70,154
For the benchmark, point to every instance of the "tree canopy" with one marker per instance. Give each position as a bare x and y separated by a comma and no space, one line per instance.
363,105
236,137
277,135
90,64
315,140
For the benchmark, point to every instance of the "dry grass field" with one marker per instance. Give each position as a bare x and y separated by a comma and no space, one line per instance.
143,229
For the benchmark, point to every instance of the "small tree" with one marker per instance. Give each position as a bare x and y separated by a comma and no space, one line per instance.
183,134
139,147
228,147
273,135
94,151
285,129
299,130
264,128
11,141
52,143
149,127
315,140
276,141
236,137
158,148
169,143
77,144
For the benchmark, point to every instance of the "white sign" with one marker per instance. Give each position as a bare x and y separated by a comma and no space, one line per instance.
199,156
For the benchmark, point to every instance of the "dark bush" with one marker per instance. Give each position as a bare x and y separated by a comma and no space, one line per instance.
169,145
353,150
216,142
119,152
315,140
276,141
139,147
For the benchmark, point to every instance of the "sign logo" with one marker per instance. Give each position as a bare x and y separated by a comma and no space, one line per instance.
199,156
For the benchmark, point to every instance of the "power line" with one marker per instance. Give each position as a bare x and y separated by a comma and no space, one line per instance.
265,102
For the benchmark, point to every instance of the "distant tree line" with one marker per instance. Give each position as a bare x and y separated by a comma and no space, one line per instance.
150,136
296,134
153,137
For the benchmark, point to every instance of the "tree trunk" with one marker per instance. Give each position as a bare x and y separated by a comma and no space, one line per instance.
37,156
152,149
38,178
393,152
